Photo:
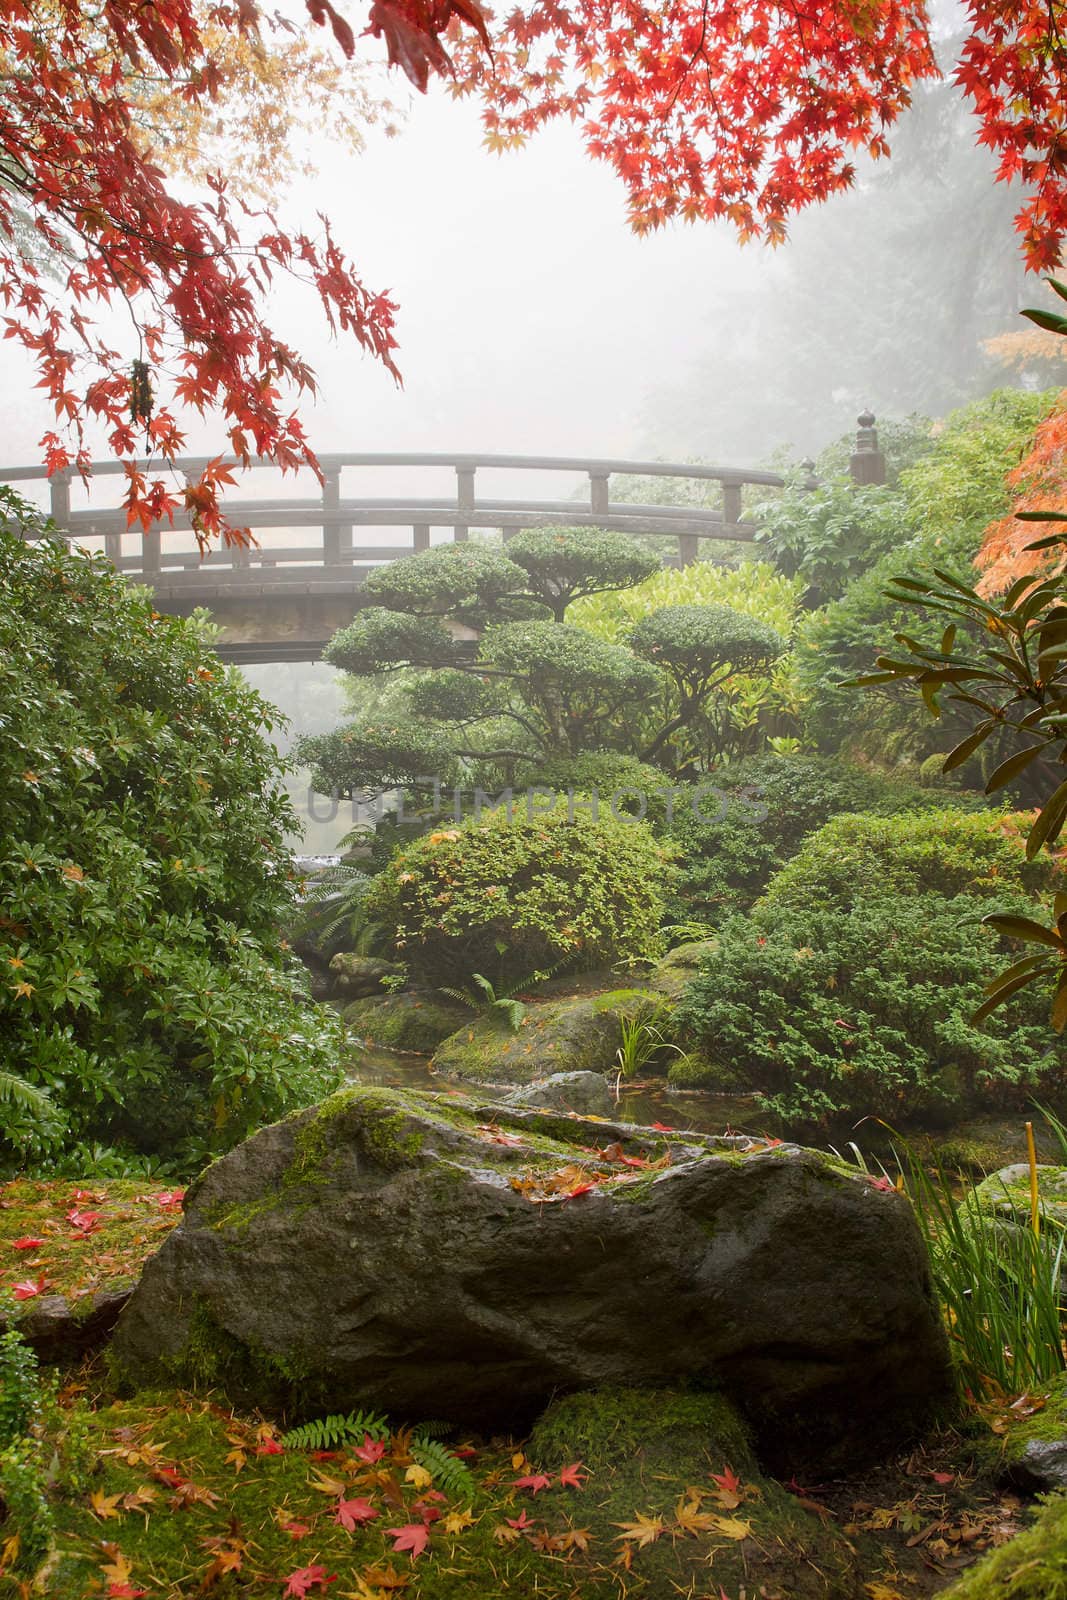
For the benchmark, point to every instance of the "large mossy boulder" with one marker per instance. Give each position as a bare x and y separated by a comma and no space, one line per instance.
574,1035
415,1020
434,1256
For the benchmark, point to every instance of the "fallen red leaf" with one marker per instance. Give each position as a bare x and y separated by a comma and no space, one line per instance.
413,1536
573,1477
534,1481
270,1447
84,1222
352,1514
522,1521
304,1579
371,1450
27,1289
27,1243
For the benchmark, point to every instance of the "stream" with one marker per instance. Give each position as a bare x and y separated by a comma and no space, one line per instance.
996,1140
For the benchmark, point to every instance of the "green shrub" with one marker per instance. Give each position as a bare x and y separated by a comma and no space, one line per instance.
143,874
20,1387
829,534
944,852
950,496
507,897
761,810
865,1010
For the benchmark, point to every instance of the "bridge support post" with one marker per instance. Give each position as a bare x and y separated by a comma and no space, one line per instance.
688,549
464,499
59,495
331,530
731,501
421,536
599,493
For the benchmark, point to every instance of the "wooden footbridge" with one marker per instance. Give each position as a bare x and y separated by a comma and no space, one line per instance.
283,598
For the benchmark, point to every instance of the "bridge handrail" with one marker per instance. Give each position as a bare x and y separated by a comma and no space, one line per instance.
337,516
332,461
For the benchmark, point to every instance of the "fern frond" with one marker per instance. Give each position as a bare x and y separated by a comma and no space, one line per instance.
449,1474
434,1430
27,1096
326,1433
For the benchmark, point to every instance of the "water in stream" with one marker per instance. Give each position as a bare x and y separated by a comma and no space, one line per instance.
997,1140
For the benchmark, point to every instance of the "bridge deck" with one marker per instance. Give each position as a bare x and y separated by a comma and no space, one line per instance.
282,597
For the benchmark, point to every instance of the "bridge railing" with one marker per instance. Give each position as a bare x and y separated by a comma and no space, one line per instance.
330,557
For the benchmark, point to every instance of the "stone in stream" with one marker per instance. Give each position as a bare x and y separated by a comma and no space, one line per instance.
579,1034
435,1256
585,1093
360,975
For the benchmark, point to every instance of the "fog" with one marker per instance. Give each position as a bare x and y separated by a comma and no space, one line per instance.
531,320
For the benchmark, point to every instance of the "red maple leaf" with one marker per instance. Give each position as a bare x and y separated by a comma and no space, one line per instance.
413,1536
170,1199
534,1481
170,1476
28,1288
522,1521
728,1481
352,1514
124,1591
573,1477
304,1579
270,1447
27,1243
371,1450
84,1222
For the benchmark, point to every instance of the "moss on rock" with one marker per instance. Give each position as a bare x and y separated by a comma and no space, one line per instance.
573,1035
413,1021
1033,1566
654,1452
671,975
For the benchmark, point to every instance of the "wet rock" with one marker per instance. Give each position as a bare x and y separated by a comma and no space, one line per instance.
60,1329
416,1020
573,1035
435,1256
586,1093
360,975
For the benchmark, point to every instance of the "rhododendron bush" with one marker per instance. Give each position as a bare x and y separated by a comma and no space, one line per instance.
729,109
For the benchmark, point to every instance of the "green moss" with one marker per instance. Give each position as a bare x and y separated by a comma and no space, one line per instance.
1032,1567
695,1072
412,1022
645,1449
627,1002
214,1360
642,1451
579,1034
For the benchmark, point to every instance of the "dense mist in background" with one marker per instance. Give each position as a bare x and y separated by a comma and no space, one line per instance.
531,320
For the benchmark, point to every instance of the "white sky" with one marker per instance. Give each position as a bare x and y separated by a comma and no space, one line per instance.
531,319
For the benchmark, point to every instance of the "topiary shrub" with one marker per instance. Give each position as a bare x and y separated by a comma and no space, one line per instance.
944,852
752,817
864,1010
506,897
143,874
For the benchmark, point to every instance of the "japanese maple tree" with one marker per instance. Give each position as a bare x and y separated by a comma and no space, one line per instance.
728,109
